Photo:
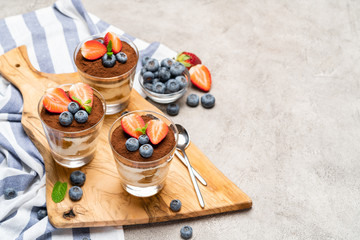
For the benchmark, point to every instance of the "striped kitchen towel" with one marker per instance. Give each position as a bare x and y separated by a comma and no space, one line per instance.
50,34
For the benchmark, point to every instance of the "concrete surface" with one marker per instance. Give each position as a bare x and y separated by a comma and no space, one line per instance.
286,126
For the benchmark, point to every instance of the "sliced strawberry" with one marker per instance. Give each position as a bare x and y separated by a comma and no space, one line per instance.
188,59
156,131
200,76
93,50
83,95
116,42
55,100
132,125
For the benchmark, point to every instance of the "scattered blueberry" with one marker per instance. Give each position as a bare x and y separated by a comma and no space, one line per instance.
172,85
66,118
192,100
182,81
146,150
100,41
175,205
155,80
152,65
167,62
144,60
148,86
186,232
159,87
164,74
73,107
148,76
10,193
208,100
132,144
41,214
143,70
77,178
156,74
121,57
75,193
108,61
81,116
177,69
143,139
124,112
173,109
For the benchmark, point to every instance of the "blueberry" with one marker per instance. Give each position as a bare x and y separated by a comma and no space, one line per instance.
152,65
143,139
208,100
144,60
173,109
164,74
41,214
155,80
132,144
186,232
148,76
100,41
73,107
192,100
167,62
177,69
146,150
10,193
75,193
121,57
172,85
124,112
159,87
142,71
108,61
66,118
77,178
175,205
81,116
148,86
182,81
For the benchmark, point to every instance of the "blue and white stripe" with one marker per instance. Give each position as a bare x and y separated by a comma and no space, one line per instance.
50,34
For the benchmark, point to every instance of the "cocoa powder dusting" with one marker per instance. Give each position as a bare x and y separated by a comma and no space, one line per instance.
119,138
96,68
52,119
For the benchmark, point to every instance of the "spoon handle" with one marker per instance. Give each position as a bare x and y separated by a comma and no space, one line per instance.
192,176
197,175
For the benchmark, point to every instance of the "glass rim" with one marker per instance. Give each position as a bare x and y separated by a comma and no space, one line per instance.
100,35
75,132
143,162
165,95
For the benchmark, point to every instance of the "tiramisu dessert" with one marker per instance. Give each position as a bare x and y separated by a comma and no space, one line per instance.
108,63
72,116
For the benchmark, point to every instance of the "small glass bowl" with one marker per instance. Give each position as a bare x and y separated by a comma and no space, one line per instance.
166,97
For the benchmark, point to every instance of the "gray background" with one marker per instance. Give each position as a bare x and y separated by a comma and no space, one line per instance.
286,125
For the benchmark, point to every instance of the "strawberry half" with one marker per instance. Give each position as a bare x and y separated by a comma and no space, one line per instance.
116,42
93,50
55,100
188,59
83,95
156,131
131,125
200,76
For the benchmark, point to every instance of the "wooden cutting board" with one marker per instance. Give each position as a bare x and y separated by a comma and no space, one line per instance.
105,203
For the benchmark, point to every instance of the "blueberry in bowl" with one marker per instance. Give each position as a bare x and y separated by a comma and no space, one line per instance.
164,81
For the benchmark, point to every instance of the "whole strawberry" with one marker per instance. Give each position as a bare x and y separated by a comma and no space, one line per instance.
188,59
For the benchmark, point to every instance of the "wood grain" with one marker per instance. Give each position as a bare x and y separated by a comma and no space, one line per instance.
105,203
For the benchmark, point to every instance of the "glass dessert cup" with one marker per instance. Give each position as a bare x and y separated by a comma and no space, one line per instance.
143,178
116,89
72,149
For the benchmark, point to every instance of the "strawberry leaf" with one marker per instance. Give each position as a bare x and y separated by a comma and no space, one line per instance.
59,191
109,49
76,99
142,130
88,101
88,109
